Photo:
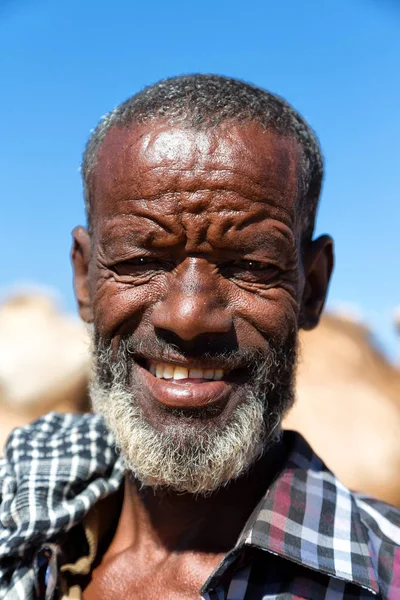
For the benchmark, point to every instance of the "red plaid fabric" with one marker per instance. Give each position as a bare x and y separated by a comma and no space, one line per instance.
311,538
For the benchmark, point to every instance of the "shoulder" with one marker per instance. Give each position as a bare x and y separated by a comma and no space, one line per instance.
364,532
53,471
54,433
62,447
382,525
54,443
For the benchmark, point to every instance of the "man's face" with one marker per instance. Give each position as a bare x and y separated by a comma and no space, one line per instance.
194,285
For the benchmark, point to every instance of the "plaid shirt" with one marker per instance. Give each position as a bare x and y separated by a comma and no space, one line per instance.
309,537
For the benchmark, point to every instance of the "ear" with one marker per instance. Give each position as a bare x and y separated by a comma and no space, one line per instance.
80,255
318,265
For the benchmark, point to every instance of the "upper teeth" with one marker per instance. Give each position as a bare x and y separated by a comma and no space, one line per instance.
168,371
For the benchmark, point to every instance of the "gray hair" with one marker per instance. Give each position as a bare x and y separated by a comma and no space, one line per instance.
205,101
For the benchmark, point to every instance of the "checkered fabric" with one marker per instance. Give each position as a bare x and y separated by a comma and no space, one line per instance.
52,473
309,537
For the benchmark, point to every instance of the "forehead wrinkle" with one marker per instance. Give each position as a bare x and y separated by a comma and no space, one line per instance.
194,180
134,228
251,232
243,211
200,235
167,145
168,178
195,217
141,142
213,201
266,233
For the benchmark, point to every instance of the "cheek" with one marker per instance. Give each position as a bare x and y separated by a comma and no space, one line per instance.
273,315
119,307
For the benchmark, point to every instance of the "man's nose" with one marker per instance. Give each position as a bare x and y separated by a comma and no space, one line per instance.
192,304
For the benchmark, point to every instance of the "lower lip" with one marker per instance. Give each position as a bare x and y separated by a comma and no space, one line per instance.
185,393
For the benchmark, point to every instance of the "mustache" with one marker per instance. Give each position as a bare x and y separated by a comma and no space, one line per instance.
112,363
227,359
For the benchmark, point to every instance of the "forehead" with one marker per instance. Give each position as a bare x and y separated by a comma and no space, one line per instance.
174,168
127,153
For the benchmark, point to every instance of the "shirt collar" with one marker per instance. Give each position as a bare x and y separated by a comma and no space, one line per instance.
309,517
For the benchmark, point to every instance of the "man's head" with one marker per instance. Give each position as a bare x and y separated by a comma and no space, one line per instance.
197,272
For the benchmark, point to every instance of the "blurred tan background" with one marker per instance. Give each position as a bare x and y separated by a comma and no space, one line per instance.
348,405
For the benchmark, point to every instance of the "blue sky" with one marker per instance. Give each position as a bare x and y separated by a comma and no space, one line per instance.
64,64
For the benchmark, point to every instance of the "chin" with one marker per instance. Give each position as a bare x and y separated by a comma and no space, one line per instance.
193,453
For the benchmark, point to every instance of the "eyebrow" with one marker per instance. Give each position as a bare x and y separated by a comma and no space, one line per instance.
276,242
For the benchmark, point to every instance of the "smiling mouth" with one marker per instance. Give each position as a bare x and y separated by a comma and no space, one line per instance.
188,385
181,373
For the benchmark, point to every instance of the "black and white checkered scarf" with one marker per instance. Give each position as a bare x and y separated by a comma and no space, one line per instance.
69,463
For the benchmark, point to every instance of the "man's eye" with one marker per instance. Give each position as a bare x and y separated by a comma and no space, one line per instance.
250,265
139,264
251,270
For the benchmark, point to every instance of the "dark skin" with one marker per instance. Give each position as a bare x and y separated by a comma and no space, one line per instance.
195,234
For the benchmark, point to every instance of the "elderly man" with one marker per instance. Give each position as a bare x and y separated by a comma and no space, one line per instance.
196,272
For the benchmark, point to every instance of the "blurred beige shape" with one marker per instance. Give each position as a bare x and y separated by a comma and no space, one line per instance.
348,406
43,361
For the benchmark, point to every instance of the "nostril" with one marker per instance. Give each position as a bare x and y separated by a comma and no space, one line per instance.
212,345
188,321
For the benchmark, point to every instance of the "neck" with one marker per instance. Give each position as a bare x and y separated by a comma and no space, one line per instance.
176,522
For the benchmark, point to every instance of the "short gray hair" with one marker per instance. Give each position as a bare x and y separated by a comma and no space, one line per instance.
205,101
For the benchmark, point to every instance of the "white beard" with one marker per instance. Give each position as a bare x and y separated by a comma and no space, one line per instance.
192,456
196,462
